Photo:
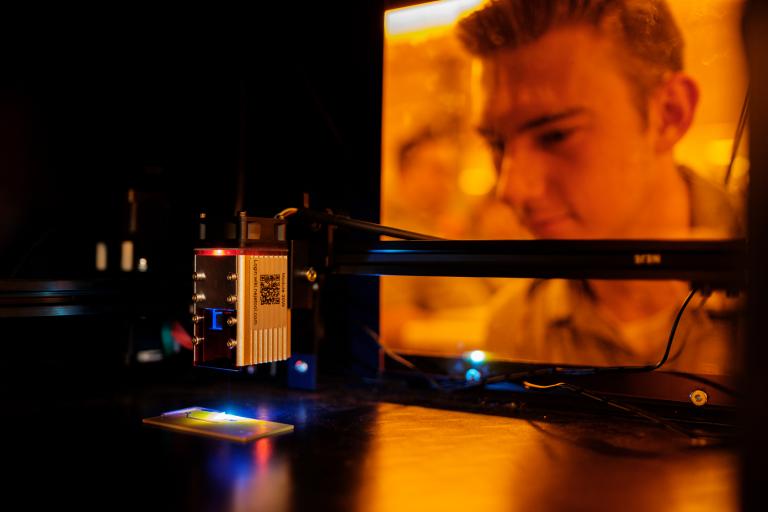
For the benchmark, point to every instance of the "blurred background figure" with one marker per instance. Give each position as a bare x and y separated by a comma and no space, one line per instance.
427,197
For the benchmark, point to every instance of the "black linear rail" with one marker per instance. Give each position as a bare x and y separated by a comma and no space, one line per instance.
707,263
39,297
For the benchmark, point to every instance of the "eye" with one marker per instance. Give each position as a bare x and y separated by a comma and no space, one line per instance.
497,151
496,146
553,137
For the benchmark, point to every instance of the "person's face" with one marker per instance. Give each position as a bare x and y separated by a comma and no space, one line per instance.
430,176
574,157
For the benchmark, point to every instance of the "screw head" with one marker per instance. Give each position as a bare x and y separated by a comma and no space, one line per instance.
231,276
198,276
231,299
196,340
231,321
698,397
231,344
196,318
198,297
311,275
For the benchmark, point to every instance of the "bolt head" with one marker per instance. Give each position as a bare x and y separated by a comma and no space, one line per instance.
698,397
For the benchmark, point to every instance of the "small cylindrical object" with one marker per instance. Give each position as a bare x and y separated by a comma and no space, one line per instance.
196,318
198,276
101,256
198,297
231,321
231,344
311,275
202,235
196,340
126,256
231,276
231,299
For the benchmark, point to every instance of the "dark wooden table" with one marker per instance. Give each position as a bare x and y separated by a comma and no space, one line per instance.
82,444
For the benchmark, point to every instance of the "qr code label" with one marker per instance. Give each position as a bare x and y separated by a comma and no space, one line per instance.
269,289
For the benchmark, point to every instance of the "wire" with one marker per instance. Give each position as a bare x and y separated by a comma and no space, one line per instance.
539,372
361,225
664,358
703,380
592,370
542,386
286,213
657,420
400,359
737,137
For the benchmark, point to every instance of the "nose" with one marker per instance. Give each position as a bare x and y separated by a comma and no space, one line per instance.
522,178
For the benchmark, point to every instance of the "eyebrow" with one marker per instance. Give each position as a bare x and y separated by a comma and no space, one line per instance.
538,122
551,118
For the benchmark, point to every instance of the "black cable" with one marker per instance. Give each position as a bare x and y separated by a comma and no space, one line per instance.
737,137
672,332
400,359
549,371
361,225
656,420
703,380
593,370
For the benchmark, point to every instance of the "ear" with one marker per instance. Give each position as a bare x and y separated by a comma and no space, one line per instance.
674,104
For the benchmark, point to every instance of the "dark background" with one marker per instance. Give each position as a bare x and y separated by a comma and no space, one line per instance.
276,103
208,111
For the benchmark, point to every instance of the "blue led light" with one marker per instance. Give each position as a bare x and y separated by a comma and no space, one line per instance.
477,356
473,375
216,315
301,366
216,319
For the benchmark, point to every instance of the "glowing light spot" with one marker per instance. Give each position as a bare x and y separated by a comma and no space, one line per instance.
301,366
214,416
408,20
477,356
473,375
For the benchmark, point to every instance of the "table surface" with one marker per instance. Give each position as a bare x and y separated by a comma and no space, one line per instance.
352,449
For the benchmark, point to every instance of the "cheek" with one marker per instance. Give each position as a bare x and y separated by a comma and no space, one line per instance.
600,182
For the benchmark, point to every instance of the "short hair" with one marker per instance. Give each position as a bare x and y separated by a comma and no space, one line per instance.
647,34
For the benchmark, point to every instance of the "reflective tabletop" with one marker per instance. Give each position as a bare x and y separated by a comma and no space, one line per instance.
352,449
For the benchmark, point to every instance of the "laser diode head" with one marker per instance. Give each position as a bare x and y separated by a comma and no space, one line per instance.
240,308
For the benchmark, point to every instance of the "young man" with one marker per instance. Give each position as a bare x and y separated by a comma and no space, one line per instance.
584,103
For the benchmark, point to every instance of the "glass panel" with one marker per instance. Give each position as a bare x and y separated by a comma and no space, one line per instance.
561,129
